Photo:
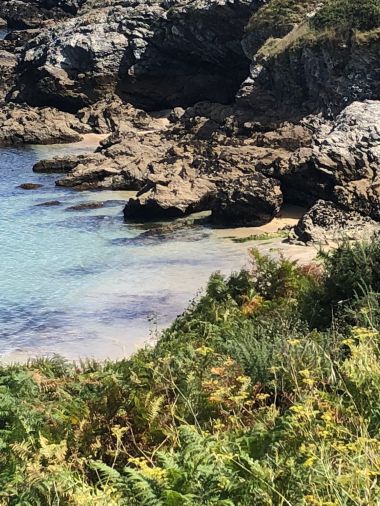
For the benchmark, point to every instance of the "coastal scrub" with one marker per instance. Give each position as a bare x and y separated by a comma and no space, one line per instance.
265,391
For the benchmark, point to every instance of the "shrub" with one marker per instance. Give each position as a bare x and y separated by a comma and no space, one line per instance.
241,401
345,15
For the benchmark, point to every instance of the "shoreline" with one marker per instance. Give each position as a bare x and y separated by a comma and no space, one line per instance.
117,350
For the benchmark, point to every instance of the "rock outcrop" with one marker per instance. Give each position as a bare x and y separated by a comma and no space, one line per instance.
327,223
152,56
261,108
59,164
21,124
8,63
349,157
34,13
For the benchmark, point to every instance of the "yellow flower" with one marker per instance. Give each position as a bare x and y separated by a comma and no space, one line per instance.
309,462
293,342
363,333
262,396
204,350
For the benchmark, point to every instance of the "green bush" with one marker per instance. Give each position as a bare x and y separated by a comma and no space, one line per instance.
344,15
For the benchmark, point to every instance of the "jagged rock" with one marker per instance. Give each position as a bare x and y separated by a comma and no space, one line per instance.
325,223
121,163
32,13
247,201
8,63
111,114
16,39
348,157
21,124
181,194
152,56
197,177
59,164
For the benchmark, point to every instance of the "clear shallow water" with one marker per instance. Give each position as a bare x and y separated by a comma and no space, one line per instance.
82,283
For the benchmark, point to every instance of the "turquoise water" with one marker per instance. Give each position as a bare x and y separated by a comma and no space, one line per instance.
83,283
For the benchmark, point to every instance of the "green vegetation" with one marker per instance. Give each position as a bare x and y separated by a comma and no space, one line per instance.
279,16
265,236
283,24
348,15
265,392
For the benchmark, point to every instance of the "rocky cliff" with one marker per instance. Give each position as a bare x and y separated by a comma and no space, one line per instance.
265,102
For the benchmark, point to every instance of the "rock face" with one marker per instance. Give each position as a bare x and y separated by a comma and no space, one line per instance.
288,80
151,56
25,125
32,13
349,157
325,223
8,63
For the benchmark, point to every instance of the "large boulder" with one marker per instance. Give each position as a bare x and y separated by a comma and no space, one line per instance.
175,187
181,195
327,223
247,201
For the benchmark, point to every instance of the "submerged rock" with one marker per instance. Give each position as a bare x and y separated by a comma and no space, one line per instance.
84,206
30,186
49,203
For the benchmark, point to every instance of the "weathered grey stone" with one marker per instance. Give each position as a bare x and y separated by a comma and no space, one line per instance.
247,201
327,223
